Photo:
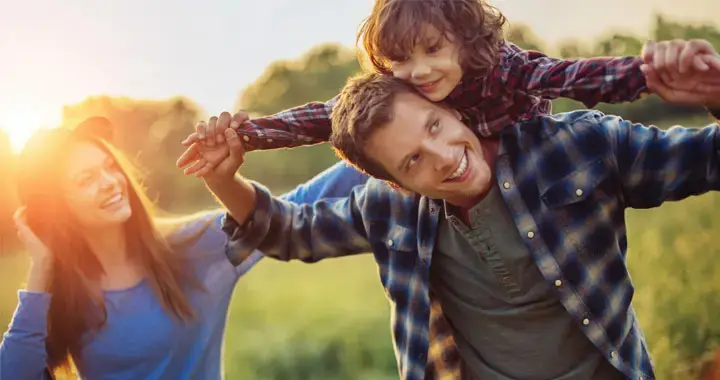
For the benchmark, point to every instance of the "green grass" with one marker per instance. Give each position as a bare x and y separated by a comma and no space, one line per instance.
330,320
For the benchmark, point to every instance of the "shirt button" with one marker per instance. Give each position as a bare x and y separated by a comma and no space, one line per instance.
586,321
612,354
390,243
558,283
506,279
506,185
269,140
579,192
246,138
531,234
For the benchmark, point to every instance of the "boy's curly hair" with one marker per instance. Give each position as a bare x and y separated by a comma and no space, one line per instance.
394,27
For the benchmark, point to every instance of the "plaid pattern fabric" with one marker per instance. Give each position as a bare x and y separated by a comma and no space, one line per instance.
567,181
517,89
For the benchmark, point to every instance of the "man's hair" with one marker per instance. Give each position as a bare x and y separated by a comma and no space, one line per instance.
365,104
394,27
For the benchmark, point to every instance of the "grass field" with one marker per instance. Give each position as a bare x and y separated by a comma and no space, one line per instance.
330,320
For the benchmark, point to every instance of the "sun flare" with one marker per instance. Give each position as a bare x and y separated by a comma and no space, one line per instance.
19,125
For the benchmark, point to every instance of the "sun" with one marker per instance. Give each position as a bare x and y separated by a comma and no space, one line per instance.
19,125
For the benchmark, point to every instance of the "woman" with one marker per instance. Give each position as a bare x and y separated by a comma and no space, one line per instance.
113,291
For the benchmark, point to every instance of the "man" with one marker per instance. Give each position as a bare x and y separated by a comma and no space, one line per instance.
507,253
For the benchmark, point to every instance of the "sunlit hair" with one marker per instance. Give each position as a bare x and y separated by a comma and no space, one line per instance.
77,306
395,27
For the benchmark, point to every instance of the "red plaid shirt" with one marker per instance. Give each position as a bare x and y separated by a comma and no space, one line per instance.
519,87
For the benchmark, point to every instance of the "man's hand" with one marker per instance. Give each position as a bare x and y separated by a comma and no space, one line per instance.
683,72
207,153
216,163
235,193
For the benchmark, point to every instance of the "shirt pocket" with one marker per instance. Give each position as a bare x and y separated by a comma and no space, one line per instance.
398,261
584,206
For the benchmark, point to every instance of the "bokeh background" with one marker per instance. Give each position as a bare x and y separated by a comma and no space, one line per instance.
154,68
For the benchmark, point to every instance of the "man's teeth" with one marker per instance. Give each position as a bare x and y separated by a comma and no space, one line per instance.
461,168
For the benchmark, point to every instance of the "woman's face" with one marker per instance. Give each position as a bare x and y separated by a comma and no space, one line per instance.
94,187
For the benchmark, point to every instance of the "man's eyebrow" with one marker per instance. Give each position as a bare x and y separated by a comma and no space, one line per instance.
430,118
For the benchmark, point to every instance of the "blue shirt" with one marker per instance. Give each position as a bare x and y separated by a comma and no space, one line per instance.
566,179
142,341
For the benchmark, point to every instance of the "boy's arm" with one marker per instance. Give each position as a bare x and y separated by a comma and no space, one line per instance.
307,124
587,80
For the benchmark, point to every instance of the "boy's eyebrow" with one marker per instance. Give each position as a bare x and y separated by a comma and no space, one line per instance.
430,118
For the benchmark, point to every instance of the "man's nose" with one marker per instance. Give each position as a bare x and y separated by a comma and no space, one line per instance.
442,156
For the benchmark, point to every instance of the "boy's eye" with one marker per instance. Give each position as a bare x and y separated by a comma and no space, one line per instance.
435,127
433,49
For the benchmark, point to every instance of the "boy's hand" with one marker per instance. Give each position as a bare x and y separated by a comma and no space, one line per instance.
209,133
688,70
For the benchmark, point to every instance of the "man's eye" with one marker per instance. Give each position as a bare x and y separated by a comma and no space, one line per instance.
435,127
413,160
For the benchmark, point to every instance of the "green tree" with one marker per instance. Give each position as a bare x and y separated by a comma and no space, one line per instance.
522,36
318,75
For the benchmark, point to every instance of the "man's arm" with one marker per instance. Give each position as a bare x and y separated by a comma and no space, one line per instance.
287,231
656,165
281,229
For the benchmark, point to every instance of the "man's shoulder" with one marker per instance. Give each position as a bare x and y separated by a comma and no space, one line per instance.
378,200
577,122
377,190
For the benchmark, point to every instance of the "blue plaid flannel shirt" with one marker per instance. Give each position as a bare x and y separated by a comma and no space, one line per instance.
567,180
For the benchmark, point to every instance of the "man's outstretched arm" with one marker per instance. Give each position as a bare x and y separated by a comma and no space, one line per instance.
281,229
656,165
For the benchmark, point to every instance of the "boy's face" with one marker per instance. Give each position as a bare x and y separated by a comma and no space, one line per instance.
427,149
433,65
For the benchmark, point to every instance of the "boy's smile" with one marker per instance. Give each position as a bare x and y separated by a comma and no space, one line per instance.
433,65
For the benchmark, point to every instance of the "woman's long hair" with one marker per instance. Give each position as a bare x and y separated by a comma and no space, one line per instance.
77,306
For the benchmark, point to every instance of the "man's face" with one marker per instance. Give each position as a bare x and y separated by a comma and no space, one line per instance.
428,150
